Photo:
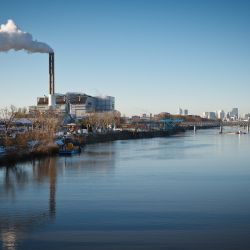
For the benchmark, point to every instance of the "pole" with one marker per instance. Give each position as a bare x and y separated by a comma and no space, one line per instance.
221,128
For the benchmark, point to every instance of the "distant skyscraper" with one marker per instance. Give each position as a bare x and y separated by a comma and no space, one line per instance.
180,111
185,112
212,115
234,113
220,114
246,116
209,115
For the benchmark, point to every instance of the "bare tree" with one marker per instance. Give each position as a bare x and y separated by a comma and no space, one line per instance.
102,120
7,117
45,125
22,113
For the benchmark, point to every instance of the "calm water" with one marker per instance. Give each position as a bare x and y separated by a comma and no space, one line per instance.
182,192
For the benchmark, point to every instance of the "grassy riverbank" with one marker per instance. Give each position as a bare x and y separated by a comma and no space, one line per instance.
13,156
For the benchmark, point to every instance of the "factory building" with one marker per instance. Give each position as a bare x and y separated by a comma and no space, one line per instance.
76,104
80,104
106,103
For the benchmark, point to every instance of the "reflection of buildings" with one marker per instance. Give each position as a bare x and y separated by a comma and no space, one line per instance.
47,169
13,225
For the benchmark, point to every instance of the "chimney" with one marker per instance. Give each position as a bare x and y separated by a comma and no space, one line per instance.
51,97
51,74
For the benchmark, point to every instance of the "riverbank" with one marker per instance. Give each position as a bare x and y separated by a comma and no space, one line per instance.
128,135
13,156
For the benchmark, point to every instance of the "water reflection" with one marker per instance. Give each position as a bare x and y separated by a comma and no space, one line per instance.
14,224
43,170
13,178
17,219
97,158
181,192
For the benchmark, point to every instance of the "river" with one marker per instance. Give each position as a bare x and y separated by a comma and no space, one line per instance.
188,191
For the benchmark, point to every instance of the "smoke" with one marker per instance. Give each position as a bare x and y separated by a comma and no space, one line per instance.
12,37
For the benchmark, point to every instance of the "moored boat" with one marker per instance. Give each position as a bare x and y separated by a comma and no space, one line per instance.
69,149
69,152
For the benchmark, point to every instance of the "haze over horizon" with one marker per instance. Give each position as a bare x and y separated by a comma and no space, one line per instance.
152,56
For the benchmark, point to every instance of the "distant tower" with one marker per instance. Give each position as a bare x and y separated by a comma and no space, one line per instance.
235,113
221,114
52,98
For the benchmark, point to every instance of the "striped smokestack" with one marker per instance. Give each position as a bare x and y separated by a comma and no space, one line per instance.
51,74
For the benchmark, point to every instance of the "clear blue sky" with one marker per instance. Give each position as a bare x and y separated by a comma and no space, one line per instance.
152,55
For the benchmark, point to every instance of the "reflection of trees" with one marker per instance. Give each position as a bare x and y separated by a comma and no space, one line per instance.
16,181
12,227
14,178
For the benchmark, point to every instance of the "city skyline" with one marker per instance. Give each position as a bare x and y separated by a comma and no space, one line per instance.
152,56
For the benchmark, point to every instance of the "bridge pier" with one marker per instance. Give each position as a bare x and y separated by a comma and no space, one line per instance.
221,129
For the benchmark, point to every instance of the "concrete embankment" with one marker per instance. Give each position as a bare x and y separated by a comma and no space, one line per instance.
13,156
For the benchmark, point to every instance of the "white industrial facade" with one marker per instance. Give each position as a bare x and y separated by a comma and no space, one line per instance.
76,104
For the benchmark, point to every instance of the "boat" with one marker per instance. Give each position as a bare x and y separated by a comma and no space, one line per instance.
69,152
69,149
236,133
240,133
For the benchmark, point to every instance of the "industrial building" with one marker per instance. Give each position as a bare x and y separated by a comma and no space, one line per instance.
75,104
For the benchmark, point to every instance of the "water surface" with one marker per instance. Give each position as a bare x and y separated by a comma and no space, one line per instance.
190,191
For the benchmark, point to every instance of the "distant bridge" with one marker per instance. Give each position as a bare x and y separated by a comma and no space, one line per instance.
201,124
216,123
236,123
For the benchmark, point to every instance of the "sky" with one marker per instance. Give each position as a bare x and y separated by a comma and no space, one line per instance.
151,55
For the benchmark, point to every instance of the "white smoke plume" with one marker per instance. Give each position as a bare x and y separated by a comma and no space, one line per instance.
12,37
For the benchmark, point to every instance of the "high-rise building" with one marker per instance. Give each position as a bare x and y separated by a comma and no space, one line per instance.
220,114
209,115
185,112
180,111
247,116
234,113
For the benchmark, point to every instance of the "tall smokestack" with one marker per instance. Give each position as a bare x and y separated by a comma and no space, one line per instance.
52,97
51,74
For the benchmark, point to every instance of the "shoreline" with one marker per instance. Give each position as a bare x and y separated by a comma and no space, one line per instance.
129,135
14,157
